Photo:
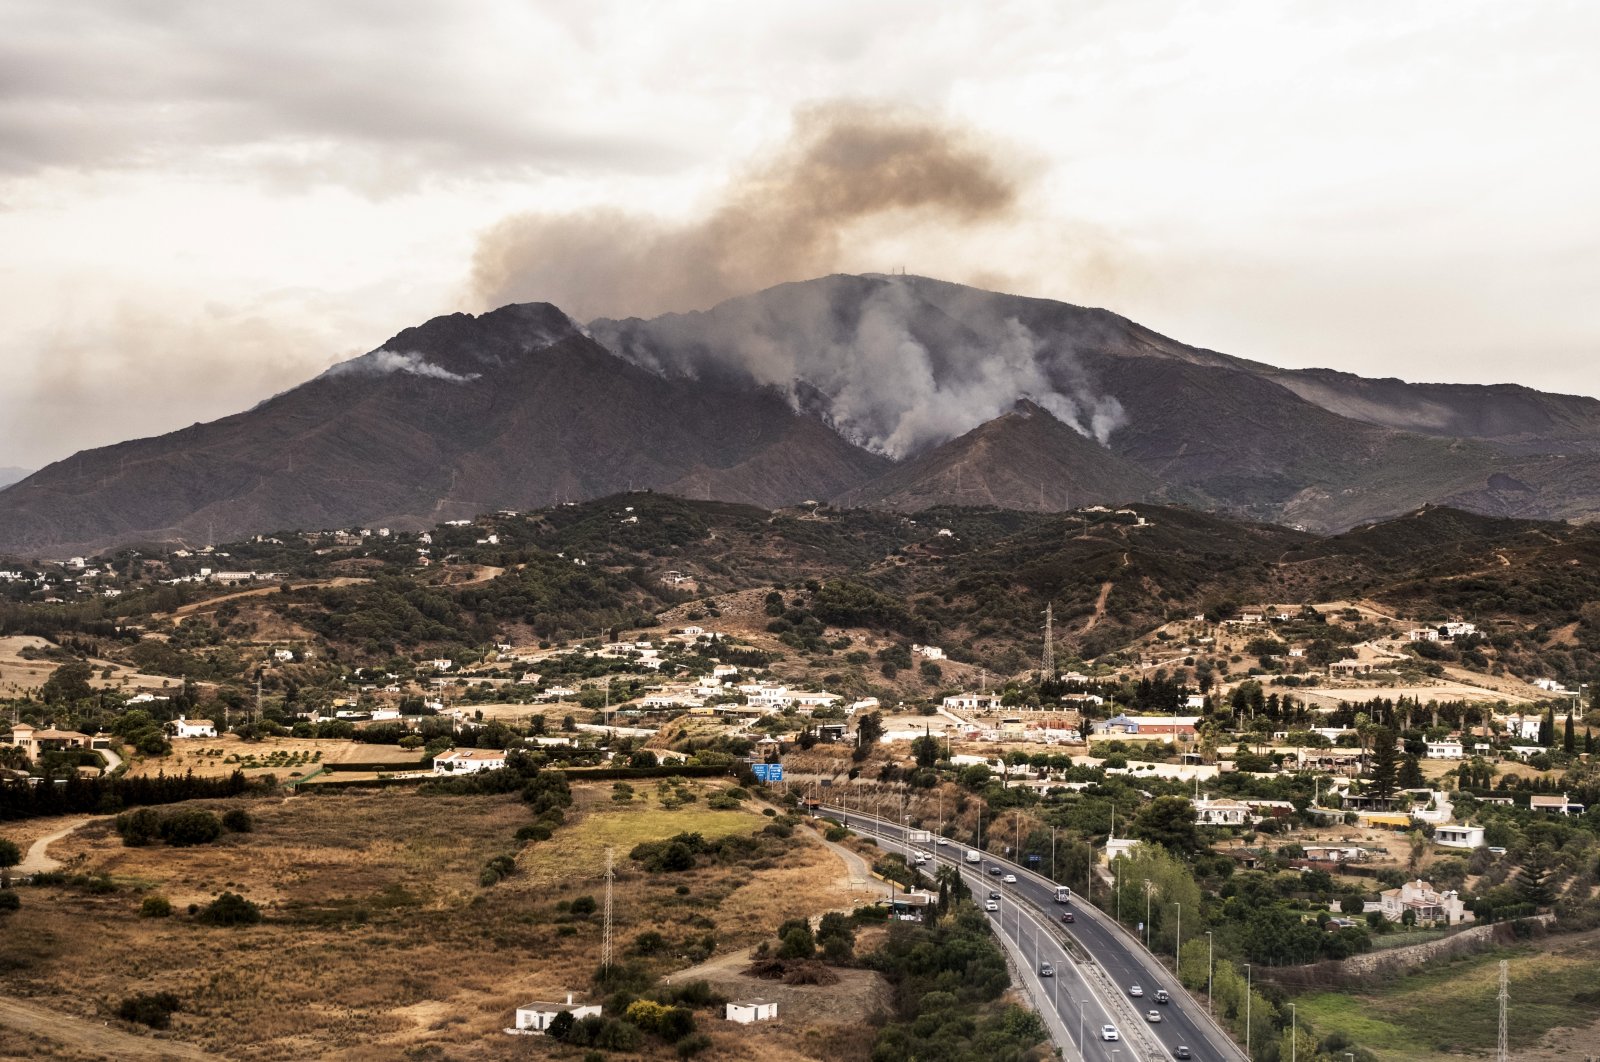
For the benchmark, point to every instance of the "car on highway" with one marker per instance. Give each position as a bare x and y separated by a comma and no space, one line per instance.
993,895
1068,918
1109,1032
1152,1016
1181,1052
994,871
1135,991
921,858
990,905
1046,970
941,842
1161,996
1010,879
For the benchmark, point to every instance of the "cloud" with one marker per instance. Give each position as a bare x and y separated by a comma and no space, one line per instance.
846,167
385,362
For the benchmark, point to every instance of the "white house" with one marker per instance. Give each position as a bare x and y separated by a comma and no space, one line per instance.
1444,750
1428,904
283,655
931,652
724,671
468,761
745,1011
1221,812
534,1018
972,702
1194,700
199,728
1459,836
1524,727
1558,804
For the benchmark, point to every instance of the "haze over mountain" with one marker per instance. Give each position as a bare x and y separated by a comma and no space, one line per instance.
891,391
10,475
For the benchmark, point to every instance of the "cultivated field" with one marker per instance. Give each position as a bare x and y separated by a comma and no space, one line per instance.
379,940
1554,1011
287,758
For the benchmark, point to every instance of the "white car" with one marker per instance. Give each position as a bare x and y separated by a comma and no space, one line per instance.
1109,1032
1010,879
1135,991
921,859
1153,1016
990,905
941,842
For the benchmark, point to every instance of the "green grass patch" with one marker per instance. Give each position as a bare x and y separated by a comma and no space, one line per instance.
579,848
1453,1008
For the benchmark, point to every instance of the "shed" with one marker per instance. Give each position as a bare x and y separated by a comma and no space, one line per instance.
745,1011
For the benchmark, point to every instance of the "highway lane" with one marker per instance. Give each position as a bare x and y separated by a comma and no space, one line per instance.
1123,960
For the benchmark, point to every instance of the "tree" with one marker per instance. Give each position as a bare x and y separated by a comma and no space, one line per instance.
926,750
1547,728
1569,738
1411,772
230,909
869,728
68,683
1532,883
1384,763
10,856
1169,822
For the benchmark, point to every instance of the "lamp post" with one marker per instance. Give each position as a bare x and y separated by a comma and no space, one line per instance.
1177,938
1081,1002
1294,1032
1211,969
1247,975
1146,914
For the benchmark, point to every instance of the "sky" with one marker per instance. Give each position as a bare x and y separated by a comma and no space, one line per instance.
205,203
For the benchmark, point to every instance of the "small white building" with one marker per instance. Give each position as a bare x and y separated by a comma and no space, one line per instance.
198,728
972,702
283,656
1459,836
931,652
468,761
534,1018
745,1011
1428,904
1221,812
1444,750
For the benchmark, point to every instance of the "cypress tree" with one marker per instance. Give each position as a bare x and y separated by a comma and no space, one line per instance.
1547,728
1569,743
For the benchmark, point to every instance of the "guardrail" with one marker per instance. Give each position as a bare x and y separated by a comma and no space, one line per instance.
1198,1012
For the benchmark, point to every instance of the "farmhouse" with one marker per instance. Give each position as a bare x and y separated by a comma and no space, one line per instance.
534,1018
1148,725
192,728
1557,804
972,702
1444,750
468,761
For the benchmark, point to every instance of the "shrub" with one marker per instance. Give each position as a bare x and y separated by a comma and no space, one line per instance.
139,828
237,820
533,832
230,909
583,906
184,829
149,1008
9,900
155,907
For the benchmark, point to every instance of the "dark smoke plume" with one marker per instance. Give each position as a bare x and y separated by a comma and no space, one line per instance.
787,218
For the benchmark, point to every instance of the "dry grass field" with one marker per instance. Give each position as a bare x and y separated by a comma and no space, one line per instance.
379,942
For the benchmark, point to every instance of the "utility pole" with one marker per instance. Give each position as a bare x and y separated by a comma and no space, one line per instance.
605,947
1048,664
1502,1054
1248,975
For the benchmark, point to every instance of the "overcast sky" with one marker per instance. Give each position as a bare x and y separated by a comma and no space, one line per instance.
203,203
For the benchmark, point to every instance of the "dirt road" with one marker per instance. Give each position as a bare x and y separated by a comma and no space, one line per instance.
92,1036
37,861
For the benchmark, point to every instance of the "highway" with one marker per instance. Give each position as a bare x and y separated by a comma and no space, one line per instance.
1098,978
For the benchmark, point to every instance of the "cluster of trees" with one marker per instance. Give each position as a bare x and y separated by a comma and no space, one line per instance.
183,828
78,796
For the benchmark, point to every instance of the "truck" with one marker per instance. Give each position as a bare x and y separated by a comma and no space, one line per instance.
974,856
919,836
1063,894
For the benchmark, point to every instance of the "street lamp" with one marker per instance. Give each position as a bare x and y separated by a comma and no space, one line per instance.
1177,938
1247,976
1146,914
1294,1032
1081,1002
1211,969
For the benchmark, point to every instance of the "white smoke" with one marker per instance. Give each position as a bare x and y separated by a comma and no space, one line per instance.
897,377
386,362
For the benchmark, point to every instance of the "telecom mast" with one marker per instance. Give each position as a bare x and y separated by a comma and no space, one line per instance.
1048,665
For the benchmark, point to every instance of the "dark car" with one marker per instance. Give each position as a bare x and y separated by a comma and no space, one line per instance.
1068,917
1181,1052
994,871
1161,996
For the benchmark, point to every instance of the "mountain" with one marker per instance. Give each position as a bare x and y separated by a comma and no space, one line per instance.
1025,459
893,391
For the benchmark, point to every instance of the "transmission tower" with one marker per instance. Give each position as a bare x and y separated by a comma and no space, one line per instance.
1048,665
605,947
1505,995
